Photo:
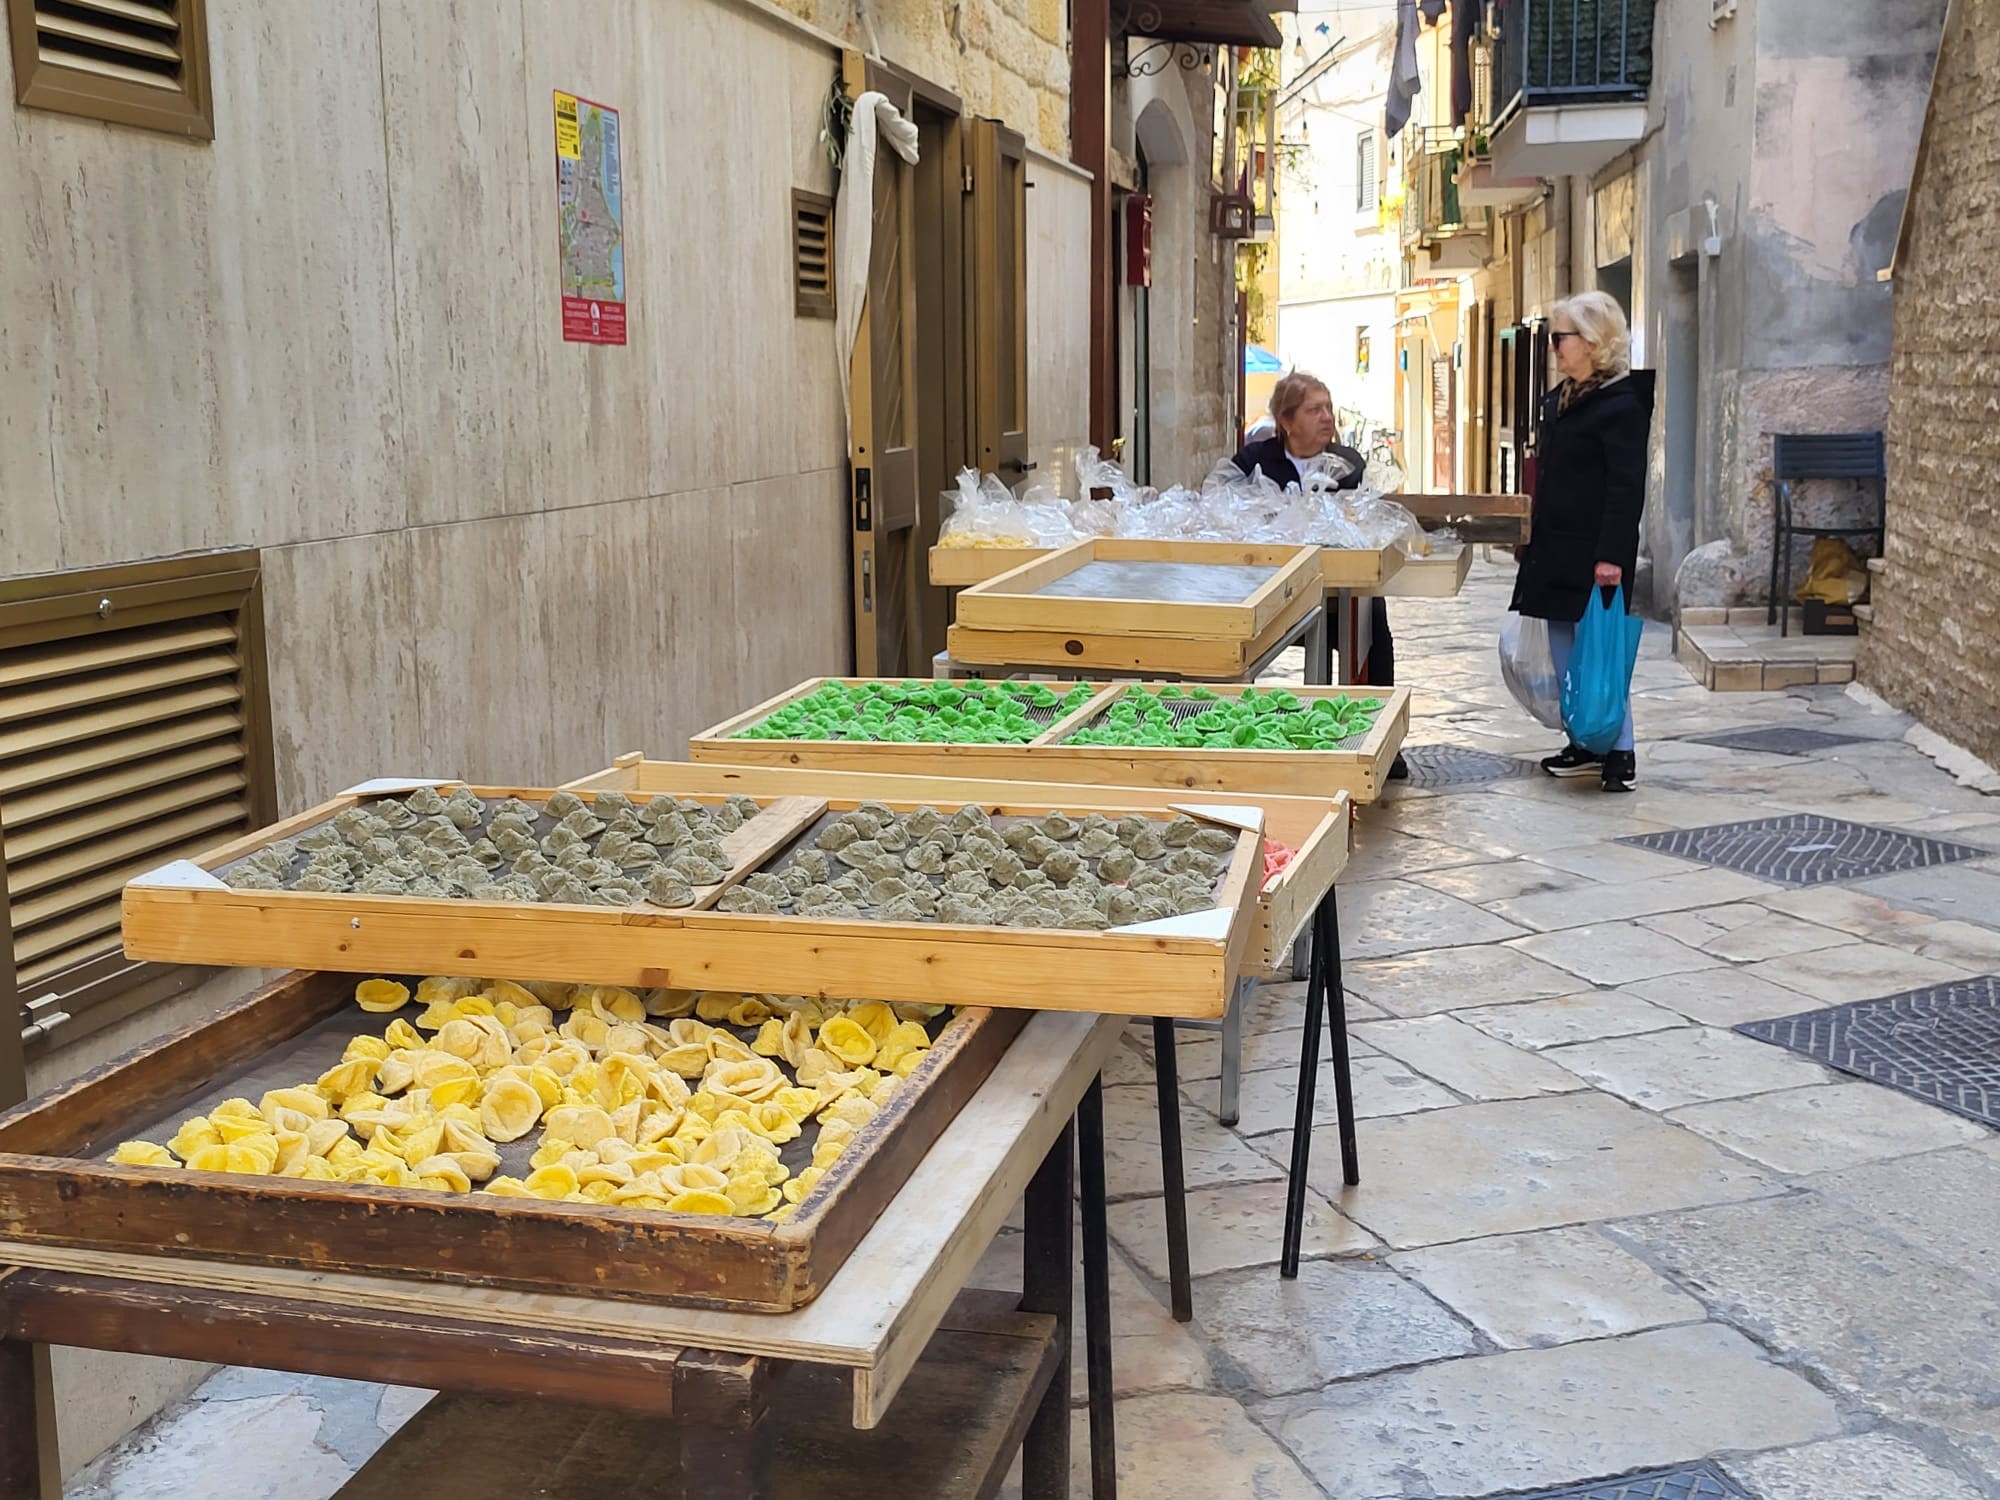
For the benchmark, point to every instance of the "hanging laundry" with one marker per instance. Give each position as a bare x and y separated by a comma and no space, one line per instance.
1405,79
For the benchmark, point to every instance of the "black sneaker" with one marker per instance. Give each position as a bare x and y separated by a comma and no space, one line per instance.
1621,770
1399,769
1574,761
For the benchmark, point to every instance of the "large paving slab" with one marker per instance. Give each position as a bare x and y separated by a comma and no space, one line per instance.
1744,932
1340,1318
1857,971
1524,1164
1584,1017
1969,892
1667,1069
1385,917
1616,903
1948,1202
1203,1447
1532,1291
1543,1418
1232,1228
1847,909
1613,953
1878,1319
1505,880
1442,979
1828,1126
1869,1466
1209,1154
1720,997
1466,1060
1269,1099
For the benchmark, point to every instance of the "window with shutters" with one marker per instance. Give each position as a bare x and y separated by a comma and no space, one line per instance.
134,730
1367,181
132,62
812,254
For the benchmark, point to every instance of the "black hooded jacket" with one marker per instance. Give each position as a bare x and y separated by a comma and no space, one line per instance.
1590,487
1271,455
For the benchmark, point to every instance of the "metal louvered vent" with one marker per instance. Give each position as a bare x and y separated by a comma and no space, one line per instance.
134,62
131,733
812,254
137,41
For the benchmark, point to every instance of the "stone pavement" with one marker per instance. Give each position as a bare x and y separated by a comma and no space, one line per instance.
1598,1232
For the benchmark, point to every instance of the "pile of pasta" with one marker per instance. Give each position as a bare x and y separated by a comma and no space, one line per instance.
645,1099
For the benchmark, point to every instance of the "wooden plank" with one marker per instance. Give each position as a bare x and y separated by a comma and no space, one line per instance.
1476,518
875,1316
960,567
1134,653
1364,569
1431,577
279,1333
1294,893
953,1437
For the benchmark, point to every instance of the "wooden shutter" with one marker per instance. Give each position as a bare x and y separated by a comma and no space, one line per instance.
1367,181
132,62
133,731
997,257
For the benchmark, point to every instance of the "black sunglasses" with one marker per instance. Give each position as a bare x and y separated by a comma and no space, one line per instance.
1557,335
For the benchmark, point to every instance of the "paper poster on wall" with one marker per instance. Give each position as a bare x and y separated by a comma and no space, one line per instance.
590,213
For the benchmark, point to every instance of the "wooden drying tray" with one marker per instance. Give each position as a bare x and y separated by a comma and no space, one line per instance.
1184,967
54,1189
1431,577
1501,519
1033,597
1314,828
1364,569
1360,771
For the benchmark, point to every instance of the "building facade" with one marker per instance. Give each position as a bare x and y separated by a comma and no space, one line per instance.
1732,171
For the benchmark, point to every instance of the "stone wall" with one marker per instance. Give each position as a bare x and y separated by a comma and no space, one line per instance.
1933,646
1007,59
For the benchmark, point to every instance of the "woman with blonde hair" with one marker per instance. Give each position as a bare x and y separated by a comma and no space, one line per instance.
1590,487
1302,411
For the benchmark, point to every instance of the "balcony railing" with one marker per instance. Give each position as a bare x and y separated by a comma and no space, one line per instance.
1551,52
1431,208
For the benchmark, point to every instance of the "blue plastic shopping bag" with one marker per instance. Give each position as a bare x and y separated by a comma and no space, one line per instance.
1599,679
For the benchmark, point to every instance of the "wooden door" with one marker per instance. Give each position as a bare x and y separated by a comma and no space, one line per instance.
944,436
997,265
882,454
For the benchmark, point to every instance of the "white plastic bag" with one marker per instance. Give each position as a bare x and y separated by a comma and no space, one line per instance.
1529,669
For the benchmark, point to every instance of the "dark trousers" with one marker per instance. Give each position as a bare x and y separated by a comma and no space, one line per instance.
1381,645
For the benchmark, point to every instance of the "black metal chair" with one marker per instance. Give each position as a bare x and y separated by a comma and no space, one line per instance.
1858,457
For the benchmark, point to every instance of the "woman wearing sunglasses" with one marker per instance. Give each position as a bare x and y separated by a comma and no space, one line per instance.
1590,487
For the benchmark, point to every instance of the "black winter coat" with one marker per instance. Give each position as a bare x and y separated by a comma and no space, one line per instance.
1590,486
1269,455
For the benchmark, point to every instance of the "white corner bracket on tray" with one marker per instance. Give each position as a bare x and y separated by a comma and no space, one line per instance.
1249,819
1212,923
389,786
180,874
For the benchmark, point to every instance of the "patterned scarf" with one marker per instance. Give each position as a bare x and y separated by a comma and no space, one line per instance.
1571,390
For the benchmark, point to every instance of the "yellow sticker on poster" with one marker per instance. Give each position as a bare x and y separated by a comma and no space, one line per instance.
569,139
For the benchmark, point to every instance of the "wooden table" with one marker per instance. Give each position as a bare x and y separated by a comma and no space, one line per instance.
758,1404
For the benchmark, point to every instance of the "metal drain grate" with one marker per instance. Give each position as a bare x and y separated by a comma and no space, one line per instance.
1701,1482
1805,849
1940,1045
1445,766
1779,740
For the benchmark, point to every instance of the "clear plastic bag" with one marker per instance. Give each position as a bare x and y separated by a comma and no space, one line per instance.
1529,670
1047,516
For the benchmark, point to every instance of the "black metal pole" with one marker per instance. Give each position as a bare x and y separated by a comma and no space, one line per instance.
1173,1176
1302,1118
1096,1292
1343,1076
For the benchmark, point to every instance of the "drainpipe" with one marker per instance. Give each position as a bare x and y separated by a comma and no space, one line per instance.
1090,148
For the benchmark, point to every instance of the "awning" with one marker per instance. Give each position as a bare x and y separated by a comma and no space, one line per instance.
1227,23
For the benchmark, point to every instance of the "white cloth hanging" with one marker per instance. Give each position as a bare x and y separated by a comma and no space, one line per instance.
875,118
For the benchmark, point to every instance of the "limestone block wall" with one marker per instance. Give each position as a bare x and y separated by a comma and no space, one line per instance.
1933,646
